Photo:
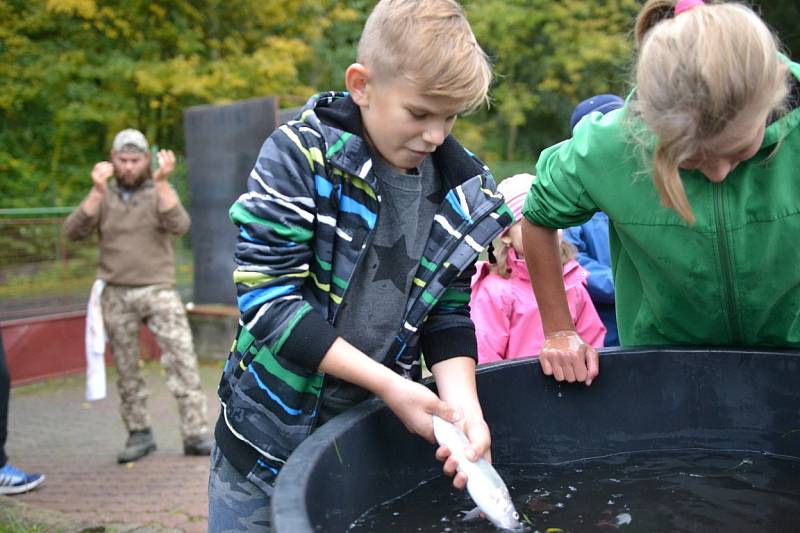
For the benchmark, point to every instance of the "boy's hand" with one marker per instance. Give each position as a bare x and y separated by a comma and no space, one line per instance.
477,431
414,404
166,164
565,356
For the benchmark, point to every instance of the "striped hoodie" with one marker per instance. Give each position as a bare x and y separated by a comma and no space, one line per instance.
311,206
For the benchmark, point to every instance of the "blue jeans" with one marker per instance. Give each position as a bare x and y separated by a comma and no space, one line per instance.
234,503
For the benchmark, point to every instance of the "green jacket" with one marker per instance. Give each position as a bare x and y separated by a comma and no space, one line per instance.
733,278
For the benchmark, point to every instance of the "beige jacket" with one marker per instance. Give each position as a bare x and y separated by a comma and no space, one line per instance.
135,238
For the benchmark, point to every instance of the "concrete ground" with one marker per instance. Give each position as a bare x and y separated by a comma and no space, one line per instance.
53,430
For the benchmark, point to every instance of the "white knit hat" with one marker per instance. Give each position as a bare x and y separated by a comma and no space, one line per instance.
514,190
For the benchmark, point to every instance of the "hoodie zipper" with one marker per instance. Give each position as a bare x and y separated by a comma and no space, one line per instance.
365,247
362,253
726,269
453,245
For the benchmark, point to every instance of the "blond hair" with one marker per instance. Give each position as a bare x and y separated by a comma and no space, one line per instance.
429,42
694,73
500,267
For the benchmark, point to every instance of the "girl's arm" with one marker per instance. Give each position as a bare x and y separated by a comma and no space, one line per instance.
564,354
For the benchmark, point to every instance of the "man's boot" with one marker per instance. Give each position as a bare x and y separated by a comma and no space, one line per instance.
139,444
198,445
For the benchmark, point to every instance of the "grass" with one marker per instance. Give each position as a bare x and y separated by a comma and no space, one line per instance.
57,282
37,261
10,523
56,383
150,366
13,524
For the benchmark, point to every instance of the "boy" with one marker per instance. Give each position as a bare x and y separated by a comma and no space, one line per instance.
357,240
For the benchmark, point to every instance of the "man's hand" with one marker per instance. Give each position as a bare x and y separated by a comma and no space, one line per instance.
166,164
566,357
100,174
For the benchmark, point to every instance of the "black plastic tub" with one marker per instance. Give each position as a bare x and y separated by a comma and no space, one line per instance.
644,399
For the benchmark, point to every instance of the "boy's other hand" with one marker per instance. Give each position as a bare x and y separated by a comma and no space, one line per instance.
477,431
566,357
414,404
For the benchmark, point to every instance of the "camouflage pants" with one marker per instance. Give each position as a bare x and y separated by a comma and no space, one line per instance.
234,502
160,308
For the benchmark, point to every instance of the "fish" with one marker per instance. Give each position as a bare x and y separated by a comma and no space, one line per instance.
484,484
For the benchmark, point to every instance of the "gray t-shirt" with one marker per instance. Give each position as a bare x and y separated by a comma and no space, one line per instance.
371,315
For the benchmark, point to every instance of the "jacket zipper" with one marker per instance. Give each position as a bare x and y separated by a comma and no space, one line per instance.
455,244
365,247
726,269
358,262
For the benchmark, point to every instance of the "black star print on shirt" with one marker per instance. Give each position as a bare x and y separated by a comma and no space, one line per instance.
394,263
436,197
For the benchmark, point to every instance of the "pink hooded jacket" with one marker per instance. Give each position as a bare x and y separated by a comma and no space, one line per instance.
506,315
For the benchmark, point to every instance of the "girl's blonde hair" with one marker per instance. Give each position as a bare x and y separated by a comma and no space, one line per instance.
500,264
694,73
429,42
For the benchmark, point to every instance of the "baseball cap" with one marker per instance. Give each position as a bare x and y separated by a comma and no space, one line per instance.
130,140
601,102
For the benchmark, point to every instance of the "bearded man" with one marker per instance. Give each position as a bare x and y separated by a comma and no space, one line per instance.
135,217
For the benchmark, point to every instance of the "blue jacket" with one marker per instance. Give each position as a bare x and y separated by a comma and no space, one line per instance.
594,254
311,207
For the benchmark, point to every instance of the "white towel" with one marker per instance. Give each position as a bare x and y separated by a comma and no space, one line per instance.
95,345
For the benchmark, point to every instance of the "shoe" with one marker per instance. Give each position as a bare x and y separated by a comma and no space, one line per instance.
139,444
198,445
15,481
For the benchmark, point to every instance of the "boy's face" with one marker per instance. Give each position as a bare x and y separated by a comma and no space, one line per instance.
401,123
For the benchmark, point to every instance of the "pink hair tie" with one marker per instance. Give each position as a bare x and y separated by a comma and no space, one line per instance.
686,5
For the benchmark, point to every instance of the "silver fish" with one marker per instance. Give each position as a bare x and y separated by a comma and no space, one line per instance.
484,484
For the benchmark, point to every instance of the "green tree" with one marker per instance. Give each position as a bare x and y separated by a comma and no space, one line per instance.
548,56
73,72
783,15
76,71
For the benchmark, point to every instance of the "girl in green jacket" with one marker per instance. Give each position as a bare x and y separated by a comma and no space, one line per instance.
697,176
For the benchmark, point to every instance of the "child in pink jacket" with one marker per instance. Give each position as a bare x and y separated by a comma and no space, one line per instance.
503,307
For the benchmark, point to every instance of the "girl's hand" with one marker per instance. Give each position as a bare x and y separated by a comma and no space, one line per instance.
565,356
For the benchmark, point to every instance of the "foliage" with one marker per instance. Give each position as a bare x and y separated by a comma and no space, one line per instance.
782,16
76,71
548,56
